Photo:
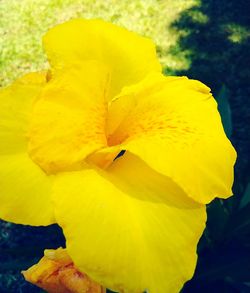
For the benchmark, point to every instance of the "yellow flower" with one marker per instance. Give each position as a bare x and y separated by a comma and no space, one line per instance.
56,273
132,222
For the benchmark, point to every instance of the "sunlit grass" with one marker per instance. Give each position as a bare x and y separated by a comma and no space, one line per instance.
23,22
237,33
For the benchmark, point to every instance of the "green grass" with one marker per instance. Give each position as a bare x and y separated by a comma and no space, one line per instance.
23,22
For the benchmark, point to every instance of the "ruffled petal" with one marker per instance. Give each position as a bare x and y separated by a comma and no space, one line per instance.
25,189
129,228
174,126
128,56
69,119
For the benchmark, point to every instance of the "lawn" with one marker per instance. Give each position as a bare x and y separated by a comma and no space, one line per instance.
23,23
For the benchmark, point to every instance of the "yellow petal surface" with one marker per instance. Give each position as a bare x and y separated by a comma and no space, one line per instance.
56,273
173,124
129,228
25,190
16,105
128,56
69,119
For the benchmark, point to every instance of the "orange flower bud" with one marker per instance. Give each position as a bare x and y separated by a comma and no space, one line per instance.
56,273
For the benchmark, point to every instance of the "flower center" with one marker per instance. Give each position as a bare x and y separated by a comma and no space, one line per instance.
63,137
69,121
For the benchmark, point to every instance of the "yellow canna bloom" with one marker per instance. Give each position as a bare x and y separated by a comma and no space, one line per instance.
56,273
132,220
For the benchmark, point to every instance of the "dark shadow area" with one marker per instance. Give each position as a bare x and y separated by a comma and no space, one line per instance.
215,37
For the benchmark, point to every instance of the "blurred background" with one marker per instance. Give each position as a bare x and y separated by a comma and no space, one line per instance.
208,40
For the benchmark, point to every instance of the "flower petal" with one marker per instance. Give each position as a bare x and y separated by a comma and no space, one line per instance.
130,229
24,187
174,126
15,110
69,119
25,191
128,56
